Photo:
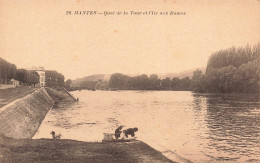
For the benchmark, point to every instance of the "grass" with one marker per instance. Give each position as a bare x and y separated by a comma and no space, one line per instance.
11,94
48,150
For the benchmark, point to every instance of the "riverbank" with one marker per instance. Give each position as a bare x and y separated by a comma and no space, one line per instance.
61,97
22,117
48,150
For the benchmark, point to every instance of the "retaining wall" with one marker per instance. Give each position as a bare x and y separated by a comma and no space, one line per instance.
21,118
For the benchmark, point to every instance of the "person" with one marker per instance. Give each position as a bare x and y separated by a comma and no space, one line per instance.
118,132
130,131
55,136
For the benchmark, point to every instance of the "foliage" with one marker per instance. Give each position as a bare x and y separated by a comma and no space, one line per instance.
29,77
7,71
68,83
53,78
88,85
101,85
118,81
234,56
143,82
230,70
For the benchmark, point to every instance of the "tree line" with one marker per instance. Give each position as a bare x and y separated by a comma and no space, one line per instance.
235,69
52,78
234,56
9,71
89,85
27,77
120,81
230,70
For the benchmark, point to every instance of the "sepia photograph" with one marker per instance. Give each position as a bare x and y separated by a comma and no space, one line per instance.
133,81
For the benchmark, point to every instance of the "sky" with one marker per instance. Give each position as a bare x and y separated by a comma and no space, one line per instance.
39,33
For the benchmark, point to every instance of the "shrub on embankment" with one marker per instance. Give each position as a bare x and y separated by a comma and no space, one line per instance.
22,118
59,94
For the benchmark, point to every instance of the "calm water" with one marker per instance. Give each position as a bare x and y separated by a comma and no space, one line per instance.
197,127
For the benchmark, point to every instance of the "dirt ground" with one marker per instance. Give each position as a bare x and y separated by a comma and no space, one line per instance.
48,150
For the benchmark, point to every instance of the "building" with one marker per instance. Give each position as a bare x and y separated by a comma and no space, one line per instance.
14,82
41,72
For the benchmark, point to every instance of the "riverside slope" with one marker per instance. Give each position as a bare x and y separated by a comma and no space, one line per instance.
21,118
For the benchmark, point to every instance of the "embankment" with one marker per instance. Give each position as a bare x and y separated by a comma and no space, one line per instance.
22,118
60,96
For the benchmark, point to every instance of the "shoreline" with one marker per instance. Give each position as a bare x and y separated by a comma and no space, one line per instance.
66,150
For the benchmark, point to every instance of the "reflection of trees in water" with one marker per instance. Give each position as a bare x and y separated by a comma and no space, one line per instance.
199,106
234,123
197,102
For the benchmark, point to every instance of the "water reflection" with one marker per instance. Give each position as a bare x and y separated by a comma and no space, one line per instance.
233,123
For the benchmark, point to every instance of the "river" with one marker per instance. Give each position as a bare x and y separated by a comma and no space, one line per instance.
197,127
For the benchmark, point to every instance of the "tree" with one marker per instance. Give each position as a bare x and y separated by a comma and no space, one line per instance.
234,56
166,83
246,78
176,84
53,78
7,71
20,75
118,81
34,78
198,81
27,77
225,75
143,82
68,83
185,83
154,82
231,70
212,80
